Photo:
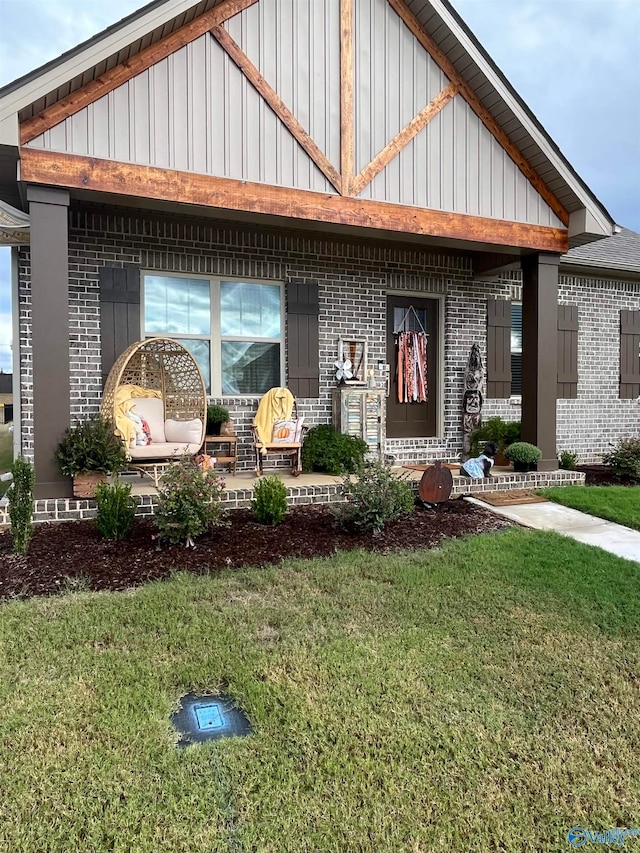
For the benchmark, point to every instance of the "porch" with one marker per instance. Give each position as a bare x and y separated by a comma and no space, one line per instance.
305,489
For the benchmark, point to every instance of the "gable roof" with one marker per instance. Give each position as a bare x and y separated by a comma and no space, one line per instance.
26,97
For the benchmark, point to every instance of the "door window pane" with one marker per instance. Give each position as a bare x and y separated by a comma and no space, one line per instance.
249,368
249,310
176,306
516,348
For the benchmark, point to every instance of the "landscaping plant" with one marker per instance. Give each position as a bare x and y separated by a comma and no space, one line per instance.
495,429
375,496
568,460
116,510
269,502
20,496
188,503
216,416
331,452
521,453
90,445
625,458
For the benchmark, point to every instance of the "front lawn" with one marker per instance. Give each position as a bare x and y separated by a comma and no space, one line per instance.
480,696
615,503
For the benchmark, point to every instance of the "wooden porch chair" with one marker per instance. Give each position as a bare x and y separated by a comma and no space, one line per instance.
278,430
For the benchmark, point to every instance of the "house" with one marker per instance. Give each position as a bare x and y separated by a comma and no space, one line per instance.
263,180
6,397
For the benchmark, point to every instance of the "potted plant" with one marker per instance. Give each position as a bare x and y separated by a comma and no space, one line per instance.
495,429
523,455
89,452
216,416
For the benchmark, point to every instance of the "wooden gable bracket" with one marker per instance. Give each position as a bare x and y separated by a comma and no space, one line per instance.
277,105
124,72
477,106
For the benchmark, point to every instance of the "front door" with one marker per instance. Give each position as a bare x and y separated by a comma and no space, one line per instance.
411,314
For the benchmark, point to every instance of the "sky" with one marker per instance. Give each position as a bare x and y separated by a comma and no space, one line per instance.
576,63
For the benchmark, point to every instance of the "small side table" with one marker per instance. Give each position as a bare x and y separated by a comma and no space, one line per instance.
226,456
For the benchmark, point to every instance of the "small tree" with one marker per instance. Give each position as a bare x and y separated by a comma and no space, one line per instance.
20,496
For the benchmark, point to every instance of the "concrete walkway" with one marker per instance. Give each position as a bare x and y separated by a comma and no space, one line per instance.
611,537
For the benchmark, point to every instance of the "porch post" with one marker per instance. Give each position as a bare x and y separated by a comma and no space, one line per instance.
48,211
539,354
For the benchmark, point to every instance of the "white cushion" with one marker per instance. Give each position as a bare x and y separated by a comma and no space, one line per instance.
152,410
184,431
291,431
164,451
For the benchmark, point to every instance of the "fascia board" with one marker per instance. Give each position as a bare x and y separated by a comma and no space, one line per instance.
606,224
94,53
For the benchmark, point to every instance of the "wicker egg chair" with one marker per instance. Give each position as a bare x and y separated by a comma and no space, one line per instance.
159,369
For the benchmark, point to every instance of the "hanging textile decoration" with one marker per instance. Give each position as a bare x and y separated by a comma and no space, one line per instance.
412,367
473,397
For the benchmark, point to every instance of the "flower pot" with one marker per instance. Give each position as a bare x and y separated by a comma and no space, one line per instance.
86,483
227,428
524,467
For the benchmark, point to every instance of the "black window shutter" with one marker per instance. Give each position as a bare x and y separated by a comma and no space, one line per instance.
629,354
303,355
119,312
567,352
498,348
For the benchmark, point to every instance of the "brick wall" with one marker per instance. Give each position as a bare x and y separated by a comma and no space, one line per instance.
353,279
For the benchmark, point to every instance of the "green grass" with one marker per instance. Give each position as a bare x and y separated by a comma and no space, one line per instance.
478,697
615,503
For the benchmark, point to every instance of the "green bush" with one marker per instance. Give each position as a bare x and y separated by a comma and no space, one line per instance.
91,446
568,460
326,450
20,497
269,502
216,415
116,510
375,496
625,458
495,429
522,451
188,503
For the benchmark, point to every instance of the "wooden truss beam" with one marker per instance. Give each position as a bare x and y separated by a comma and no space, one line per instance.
347,157
384,157
126,179
478,107
119,75
277,105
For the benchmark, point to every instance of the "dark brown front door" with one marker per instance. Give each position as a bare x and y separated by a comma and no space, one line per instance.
410,314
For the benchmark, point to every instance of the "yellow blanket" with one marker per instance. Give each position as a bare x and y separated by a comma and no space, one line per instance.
276,405
125,427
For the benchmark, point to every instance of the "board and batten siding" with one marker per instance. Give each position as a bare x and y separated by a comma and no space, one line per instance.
195,111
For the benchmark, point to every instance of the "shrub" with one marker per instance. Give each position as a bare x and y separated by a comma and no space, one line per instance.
91,446
269,502
625,458
326,450
20,497
523,452
375,497
495,429
188,503
568,460
216,415
116,510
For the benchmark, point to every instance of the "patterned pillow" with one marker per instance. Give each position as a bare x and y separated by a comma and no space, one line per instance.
286,432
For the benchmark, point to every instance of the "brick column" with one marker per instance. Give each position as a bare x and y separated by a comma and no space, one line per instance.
48,211
539,354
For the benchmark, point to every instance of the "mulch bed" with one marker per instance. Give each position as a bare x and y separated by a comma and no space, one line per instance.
66,550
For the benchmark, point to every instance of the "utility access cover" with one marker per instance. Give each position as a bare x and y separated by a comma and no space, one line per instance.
203,718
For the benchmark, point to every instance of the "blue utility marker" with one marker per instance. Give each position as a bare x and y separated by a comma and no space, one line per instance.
202,718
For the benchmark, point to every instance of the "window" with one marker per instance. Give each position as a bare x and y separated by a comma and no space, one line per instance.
233,328
516,349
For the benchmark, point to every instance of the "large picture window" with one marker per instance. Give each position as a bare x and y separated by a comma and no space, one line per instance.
233,328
